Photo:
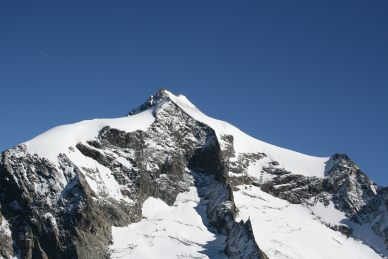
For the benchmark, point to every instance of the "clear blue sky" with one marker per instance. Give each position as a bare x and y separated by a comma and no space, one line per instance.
306,75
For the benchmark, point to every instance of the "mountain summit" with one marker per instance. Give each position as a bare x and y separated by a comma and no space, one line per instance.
167,181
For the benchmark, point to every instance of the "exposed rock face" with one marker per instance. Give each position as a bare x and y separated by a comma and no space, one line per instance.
221,211
50,219
65,209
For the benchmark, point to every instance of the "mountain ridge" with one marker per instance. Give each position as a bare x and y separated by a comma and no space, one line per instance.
90,181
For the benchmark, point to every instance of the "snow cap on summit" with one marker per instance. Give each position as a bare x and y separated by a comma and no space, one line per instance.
162,95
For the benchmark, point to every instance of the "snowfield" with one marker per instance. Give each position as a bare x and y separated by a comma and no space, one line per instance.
284,230
179,231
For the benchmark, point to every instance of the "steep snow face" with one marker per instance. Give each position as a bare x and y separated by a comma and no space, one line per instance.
292,161
179,231
284,230
58,140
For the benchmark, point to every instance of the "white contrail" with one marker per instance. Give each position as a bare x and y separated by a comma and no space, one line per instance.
48,56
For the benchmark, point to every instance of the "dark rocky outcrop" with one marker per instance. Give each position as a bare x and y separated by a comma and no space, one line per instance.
215,187
221,211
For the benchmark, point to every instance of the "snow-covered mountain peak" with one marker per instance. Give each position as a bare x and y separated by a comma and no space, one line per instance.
59,139
170,178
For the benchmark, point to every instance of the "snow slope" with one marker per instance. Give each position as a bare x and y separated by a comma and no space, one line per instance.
292,161
284,230
57,140
329,215
179,231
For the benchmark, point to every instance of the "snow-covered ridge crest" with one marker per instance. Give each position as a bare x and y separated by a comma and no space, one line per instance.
58,140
